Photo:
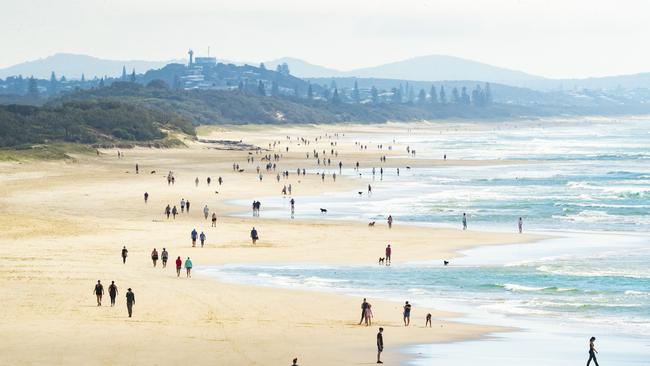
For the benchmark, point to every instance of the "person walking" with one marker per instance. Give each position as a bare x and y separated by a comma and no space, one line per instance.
99,292
520,224
380,344
182,205
193,235
390,221
174,212
407,314
368,315
206,211
154,257
146,197
254,236
389,252
179,264
202,238
125,253
112,292
364,306
592,351
187,206
130,301
464,221
188,267
214,219
164,256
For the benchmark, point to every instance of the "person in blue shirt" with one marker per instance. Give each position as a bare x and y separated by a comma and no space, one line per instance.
202,237
194,234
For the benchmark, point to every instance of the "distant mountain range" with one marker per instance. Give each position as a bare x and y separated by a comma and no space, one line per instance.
430,68
72,66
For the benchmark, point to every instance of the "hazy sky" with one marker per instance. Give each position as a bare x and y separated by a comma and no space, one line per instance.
553,38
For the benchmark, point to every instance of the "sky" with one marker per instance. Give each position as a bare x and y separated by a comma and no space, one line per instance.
551,38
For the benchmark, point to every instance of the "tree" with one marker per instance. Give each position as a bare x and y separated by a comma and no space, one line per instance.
335,97
355,93
32,88
178,85
123,73
158,84
464,97
261,89
283,69
240,86
455,96
133,76
422,97
443,96
275,90
434,95
310,92
397,95
488,94
374,95
326,92
53,83
101,83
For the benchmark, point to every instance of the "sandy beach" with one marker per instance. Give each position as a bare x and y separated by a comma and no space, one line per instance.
64,225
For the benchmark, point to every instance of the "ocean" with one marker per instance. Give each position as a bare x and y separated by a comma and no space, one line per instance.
584,182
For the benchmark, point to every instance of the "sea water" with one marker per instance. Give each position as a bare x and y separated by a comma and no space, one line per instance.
587,183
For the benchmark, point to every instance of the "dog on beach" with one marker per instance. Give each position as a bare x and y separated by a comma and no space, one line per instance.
153,172
371,224
381,260
445,262
323,210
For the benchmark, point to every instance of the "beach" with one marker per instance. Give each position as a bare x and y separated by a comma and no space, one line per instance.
65,223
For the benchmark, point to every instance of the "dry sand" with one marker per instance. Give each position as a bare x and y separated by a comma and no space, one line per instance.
64,224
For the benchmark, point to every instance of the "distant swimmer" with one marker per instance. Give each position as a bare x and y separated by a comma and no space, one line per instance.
99,292
125,253
130,301
520,224
464,221
254,236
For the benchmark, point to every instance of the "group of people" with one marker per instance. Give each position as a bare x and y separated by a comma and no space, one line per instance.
194,235
112,292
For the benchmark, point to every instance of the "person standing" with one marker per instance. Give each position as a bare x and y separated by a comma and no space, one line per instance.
380,344
193,235
188,267
389,251
214,219
182,205
390,221
364,306
164,255
368,315
206,211
99,292
254,236
125,253
407,314
154,257
137,169
174,212
592,351
196,181
179,264
187,206
130,301
202,238
112,292
464,221
520,224
146,197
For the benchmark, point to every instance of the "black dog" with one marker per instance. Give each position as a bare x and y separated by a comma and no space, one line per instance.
445,262
322,210
381,260
371,224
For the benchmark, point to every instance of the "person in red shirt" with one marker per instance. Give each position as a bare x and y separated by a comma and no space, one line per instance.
179,264
388,252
